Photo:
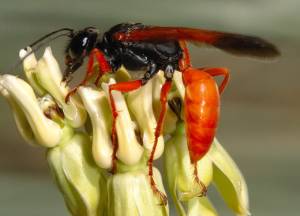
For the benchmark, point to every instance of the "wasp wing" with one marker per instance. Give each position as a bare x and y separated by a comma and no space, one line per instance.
236,44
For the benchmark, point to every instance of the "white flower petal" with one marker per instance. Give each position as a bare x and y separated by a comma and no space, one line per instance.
140,105
200,206
177,78
229,180
78,176
30,69
46,132
130,194
50,78
170,117
97,106
129,151
180,171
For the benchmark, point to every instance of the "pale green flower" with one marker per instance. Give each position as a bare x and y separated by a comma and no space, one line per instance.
77,138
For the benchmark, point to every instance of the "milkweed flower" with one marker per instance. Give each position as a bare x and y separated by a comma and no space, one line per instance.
77,140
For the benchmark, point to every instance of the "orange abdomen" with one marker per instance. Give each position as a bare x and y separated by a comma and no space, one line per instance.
201,107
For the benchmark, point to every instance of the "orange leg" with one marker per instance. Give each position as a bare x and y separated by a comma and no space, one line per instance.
89,73
104,67
198,181
219,72
185,61
122,87
163,100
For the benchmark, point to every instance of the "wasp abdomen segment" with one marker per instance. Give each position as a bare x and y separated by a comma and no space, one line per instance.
201,108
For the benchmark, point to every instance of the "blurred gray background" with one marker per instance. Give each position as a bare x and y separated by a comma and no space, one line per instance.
260,108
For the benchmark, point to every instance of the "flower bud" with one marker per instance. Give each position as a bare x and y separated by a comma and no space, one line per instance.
229,180
216,166
180,171
130,194
83,185
200,206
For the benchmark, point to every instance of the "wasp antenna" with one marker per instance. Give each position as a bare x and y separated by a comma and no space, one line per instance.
39,46
71,32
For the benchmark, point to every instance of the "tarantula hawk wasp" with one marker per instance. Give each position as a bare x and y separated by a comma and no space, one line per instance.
150,48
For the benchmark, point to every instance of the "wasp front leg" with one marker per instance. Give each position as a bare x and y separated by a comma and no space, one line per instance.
89,73
104,67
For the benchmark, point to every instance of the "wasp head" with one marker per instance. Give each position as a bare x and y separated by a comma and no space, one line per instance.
80,46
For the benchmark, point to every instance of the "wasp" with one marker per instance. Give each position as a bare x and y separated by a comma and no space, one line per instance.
150,48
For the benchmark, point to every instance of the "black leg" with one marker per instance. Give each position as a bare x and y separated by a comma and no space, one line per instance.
152,70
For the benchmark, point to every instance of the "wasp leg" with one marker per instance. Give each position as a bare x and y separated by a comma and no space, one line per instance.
89,73
199,182
126,87
67,77
150,73
104,66
185,61
163,100
219,72
122,87
130,86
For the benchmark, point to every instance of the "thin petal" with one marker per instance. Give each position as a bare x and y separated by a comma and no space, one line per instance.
180,171
201,206
130,194
229,180
130,150
98,109
140,105
30,69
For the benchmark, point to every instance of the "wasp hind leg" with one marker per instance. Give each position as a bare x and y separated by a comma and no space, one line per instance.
219,72
163,100
198,181
169,70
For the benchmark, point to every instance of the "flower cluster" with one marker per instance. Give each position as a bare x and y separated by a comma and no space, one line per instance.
77,139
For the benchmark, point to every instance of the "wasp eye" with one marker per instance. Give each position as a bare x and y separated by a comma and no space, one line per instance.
77,45
84,41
